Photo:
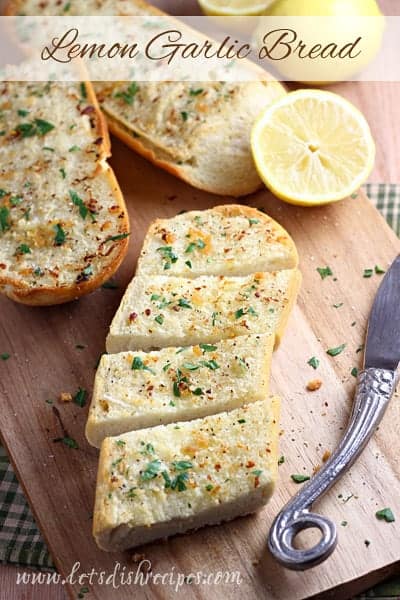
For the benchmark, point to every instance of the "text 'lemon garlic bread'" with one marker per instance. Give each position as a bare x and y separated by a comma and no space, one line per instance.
225,240
199,132
63,221
170,479
161,311
134,390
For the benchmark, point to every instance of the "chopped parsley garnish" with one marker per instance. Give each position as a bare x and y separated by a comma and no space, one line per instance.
3,132
129,94
354,371
257,472
63,173
188,264
300,478
210,364
196,92
120,443
176,386
368,273
4,214
198,392
116,238
207,347
324,272
110,285
209,487
3,193
241,421
184,115
131,493
155,297
60,236
67,441
67,7
182,465
242,312
214,318
167,479
23,249
22,113
344,523
159,319
385,514
338,305
80,397
313,362
168,256
190,367
15,200
138,365
152,470
74,149
281,460
83,89
336,351
77,201
253,221
179,482
80,346
5,356
48,149
36,127
183,303
200,245
379,270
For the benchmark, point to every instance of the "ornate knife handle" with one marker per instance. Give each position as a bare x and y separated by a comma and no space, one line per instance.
375,388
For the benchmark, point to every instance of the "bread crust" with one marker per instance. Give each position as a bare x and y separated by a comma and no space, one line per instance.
21,292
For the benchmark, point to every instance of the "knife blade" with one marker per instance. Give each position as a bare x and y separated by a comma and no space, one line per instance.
382,349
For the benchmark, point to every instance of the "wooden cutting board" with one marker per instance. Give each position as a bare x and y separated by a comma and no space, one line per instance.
59,482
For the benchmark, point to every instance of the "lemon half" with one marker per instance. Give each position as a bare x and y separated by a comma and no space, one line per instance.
312,147
234,8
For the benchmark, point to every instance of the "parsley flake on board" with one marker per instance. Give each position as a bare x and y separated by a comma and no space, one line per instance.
67,441
354,371
324,272
313,362
336,351
385,514
368,273
281,460
379,270
300,478
80,397
5,356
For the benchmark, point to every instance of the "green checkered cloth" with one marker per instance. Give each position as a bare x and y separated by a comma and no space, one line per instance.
20,539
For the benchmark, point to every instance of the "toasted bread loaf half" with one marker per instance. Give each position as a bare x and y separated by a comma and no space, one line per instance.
170,479
225,240
63,220
199,132
162,311
134,390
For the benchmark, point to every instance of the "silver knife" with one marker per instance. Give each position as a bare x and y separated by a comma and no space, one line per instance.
376,384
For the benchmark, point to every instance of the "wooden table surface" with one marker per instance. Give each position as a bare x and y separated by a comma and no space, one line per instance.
379,103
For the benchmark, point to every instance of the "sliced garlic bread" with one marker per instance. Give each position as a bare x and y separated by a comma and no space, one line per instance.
77,7
63,220
225,240
169,479
134,390
199,132
161,311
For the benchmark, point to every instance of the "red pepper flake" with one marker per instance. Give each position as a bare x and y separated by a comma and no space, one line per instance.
88,110
217,467
147,312
99,141
133,316
256,482
250,464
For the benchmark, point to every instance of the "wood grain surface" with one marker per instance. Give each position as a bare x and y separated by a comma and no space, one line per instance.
34,381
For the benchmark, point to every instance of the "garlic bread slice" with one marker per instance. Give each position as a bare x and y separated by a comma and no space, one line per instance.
134,390
225,240
161,311
173,478
63,220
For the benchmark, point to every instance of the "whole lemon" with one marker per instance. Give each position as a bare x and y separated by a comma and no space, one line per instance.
350,20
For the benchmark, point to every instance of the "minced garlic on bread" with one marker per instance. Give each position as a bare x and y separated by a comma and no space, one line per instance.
63,220
173,478
199,132
134,390
225,240
161,311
